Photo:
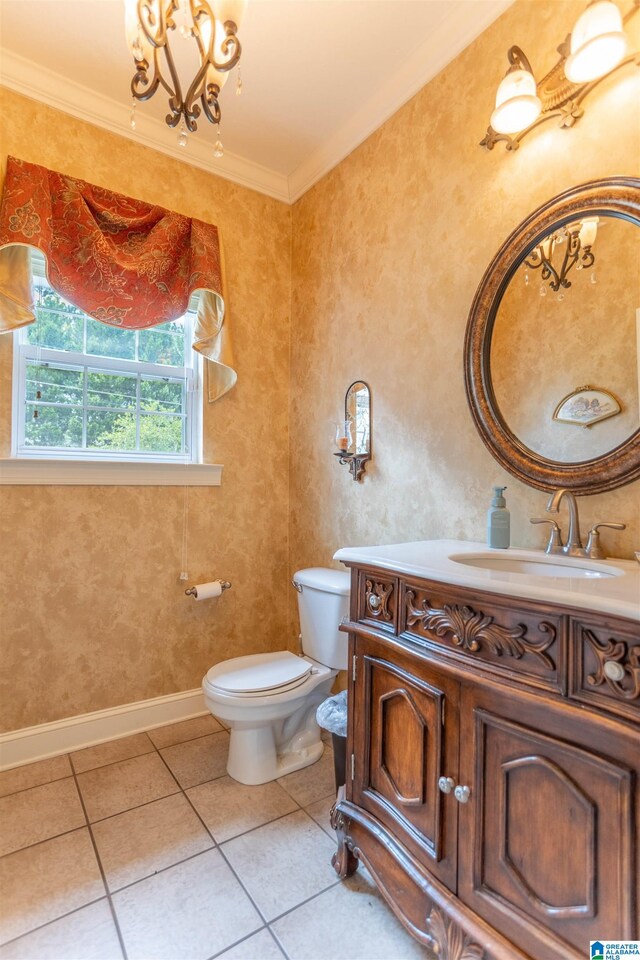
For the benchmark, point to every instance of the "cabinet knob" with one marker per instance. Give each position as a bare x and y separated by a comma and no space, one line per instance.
446,784
374,601
613,670
462,794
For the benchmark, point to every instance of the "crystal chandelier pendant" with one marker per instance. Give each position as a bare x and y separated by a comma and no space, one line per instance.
526,278
239,84
183,136
593,277
543,290
132,118
218,149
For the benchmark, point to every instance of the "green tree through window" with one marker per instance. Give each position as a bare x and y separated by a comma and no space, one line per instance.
87,387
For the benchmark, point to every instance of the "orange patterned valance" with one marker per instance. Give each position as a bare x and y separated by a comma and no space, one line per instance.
122,261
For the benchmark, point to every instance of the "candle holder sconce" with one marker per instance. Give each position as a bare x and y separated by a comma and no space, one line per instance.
353,434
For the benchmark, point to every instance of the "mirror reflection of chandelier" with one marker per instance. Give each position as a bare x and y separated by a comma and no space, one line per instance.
559,253
212,28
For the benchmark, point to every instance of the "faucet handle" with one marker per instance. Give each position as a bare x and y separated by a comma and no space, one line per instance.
555,536
593,548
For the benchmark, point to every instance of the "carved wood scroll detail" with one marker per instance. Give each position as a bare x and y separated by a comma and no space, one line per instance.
377,599
469,629
628,688
450,942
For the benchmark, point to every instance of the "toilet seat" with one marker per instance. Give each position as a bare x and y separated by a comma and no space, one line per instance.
259,675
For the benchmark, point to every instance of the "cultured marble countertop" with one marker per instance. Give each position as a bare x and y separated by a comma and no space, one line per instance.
619,595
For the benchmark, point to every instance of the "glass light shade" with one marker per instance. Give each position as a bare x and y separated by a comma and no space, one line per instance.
134,33
517,105
229,10
213,75
343,435
598,43
588,231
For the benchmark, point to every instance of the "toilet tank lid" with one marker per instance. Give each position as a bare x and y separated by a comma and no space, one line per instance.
325,579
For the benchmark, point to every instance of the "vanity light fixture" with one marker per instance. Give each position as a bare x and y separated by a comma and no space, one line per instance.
213,28
596,47
517,105
577,239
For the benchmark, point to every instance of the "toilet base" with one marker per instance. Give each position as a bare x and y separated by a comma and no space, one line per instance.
254,756
274,734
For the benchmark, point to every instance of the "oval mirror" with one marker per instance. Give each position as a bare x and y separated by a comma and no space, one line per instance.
552,364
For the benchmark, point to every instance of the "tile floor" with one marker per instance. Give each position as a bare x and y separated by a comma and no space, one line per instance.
144,849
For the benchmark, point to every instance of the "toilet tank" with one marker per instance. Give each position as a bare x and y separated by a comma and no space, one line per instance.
323,601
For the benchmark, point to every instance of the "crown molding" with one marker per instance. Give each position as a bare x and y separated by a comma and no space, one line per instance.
463,23
33,81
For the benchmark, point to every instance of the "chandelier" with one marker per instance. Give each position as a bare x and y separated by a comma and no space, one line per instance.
570,247
150,26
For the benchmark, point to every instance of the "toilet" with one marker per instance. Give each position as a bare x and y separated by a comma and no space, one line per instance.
269,700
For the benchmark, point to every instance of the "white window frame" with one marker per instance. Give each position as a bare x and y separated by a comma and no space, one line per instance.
25,352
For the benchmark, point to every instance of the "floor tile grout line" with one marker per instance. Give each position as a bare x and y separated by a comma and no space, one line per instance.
45,783
217,846
178,743
109,763
136,806
147,803
278,944
48,923
38,843
267,823
102,872
156,873
181,790
285,913
237,943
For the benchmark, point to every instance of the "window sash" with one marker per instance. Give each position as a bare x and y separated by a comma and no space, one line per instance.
26,353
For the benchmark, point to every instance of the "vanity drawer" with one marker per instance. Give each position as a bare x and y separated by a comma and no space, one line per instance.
377,600
605,665
523,639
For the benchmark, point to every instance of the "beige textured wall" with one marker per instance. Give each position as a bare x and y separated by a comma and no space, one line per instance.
91,610
388,250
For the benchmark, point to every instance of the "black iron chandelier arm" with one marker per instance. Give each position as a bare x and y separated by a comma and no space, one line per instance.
154,27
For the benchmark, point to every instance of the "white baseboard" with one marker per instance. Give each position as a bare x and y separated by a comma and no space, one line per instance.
73,733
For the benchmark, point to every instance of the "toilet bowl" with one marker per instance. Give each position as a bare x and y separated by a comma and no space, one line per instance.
269,700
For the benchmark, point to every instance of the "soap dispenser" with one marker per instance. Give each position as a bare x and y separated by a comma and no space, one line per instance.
498,521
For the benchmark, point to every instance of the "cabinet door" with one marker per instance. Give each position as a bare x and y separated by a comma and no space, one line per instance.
546,838
405,739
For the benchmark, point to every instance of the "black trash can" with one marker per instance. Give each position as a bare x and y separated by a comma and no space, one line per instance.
332,716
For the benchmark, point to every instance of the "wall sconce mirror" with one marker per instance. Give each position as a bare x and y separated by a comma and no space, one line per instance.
353,433
595,48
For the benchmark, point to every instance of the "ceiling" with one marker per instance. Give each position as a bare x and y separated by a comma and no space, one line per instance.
318,76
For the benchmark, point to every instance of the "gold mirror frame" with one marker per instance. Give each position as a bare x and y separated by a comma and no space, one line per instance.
613,196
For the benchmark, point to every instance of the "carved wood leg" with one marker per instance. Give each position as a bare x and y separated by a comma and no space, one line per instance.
344,861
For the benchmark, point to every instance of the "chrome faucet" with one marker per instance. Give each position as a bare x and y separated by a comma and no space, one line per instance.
573,547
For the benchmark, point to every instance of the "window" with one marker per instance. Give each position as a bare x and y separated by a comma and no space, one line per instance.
83,389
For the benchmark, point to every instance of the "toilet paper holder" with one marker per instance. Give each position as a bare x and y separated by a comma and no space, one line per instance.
193,591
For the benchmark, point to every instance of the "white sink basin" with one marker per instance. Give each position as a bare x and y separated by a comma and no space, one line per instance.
544,566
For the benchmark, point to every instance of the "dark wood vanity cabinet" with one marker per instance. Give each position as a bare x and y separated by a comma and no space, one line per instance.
532,852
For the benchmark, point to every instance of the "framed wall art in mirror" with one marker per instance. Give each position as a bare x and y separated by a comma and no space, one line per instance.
559,306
